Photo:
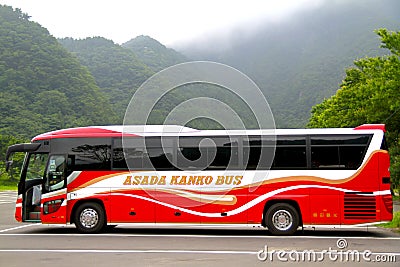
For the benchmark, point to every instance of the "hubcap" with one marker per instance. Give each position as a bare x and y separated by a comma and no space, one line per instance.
282,220
89,218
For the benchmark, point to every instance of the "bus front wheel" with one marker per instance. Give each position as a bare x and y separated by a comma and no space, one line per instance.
90,218
282,219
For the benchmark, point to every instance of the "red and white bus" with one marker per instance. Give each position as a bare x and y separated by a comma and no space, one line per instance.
108,175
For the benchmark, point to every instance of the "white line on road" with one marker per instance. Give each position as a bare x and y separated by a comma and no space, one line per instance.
16,228
129,251
172,251
194,236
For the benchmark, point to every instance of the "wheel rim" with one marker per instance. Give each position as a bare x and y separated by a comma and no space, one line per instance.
89,218
282,220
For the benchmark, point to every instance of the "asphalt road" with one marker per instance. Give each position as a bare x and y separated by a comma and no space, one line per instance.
43,245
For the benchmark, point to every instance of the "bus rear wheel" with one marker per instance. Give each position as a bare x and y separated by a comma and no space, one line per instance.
282,219
90,218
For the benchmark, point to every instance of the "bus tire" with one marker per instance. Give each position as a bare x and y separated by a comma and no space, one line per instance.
282,219
90,218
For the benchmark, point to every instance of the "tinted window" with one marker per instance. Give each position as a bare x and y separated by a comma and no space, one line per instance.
118,158
338,151
159,159
291,141
291,153
351,157
257,140
287,157
192,158
190,153
85,153
258,152
207,153
340,140
141,158
225,158
325,157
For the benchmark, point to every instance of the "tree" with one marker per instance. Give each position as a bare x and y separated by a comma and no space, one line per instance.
43,87
11,177
370,93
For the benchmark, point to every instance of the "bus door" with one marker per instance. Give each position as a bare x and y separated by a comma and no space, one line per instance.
54,197
30,188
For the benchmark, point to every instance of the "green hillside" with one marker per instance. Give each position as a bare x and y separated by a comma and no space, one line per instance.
117,70
301,60
120,70
42,86
297,64
153,53
369,94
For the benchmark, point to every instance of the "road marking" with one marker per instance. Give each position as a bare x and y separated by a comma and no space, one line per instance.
130,251
16,228
172,251
190,236
7,197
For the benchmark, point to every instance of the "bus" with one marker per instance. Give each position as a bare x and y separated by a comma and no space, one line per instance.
282,180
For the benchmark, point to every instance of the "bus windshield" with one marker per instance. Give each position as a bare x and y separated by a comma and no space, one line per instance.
36,165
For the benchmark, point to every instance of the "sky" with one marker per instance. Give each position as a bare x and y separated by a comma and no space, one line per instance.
169,21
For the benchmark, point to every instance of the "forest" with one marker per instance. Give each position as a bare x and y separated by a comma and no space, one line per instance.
370,93
48,83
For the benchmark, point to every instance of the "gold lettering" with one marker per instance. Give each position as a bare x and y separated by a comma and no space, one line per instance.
174,180
136,180
182,181
209,179
192,180
220,180
229,179
128,180
145,180
162,181
153,180
200,180
238,180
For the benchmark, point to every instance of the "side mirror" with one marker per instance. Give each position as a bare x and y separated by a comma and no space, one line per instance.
8,165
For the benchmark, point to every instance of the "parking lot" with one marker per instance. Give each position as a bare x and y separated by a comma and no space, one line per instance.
44,245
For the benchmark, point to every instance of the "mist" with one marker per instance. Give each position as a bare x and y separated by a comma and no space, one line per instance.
299,60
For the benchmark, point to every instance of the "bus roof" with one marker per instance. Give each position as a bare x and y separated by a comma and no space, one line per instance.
173,130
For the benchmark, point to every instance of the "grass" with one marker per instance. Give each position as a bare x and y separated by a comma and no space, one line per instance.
396,194
6,183
8,187
394,224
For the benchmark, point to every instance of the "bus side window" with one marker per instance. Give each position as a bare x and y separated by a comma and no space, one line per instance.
70,165
55,173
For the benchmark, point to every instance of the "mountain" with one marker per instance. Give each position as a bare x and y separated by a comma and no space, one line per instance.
118,71
301,60
42,86
154,54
